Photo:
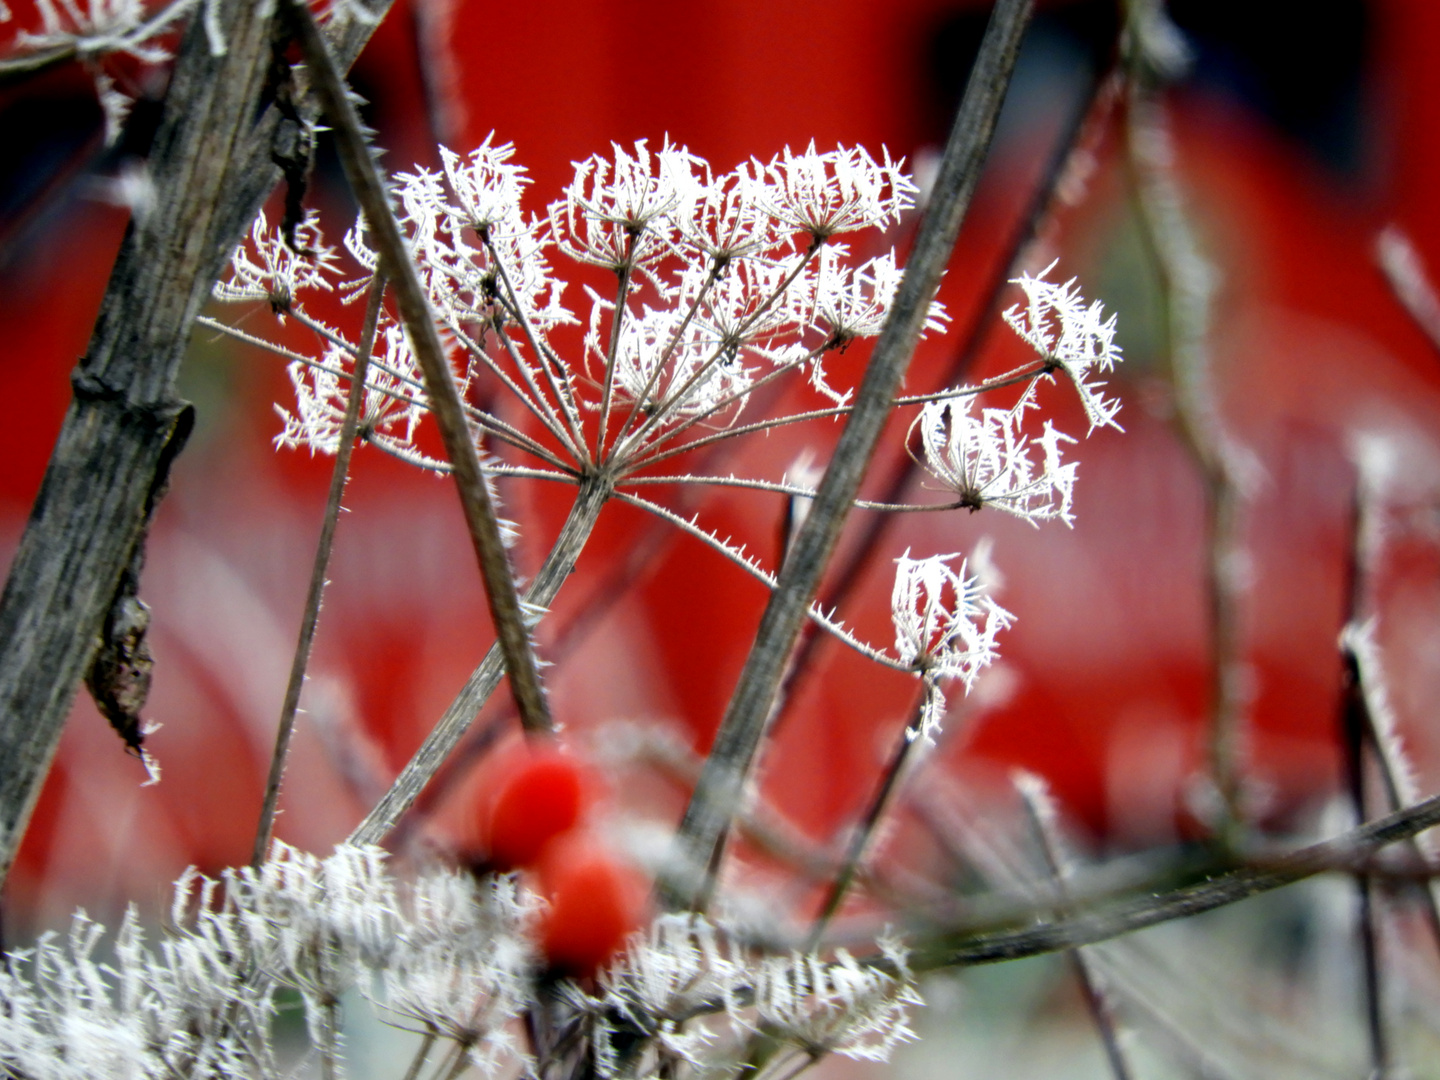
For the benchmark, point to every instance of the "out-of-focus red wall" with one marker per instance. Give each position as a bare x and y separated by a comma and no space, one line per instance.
1105,673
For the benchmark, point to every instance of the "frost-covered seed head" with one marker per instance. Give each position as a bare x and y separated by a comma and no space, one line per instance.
266,268
987,461
1061,326
827,194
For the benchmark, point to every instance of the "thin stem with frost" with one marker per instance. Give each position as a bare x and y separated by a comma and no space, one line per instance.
537,404
1097,1003
339,475
451,726
566,403
716,266
1354,739
1187,281
781,488
488,423
1025,373
707,818
1103,918
723,403
869,823
617,324
422,1052
760,574
702,372
370,191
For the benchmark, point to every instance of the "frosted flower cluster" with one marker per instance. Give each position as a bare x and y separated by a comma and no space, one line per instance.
94,29
945,628
448,956
1061,326
389,415
451,955
267,268
685,967
724,281
987,460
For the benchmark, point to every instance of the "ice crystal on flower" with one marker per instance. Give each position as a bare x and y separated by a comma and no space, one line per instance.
393,407
482,258
676,969
1060,325
269,269
726,221
839,1006
450,953
945,628
462,968
986,460
837,192
854,301
611,209
670,364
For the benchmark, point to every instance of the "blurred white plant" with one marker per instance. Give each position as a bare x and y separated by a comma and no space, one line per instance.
839,1006
686,967
449,953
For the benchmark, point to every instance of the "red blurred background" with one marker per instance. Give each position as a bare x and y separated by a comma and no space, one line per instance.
1301,132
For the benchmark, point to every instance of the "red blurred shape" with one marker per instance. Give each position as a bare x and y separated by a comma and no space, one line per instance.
539,795
596,902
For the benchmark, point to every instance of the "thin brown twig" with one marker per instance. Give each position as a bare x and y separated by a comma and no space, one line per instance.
1096,1001
339,476
445,403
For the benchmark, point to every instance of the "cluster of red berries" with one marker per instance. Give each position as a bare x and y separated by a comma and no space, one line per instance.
537,816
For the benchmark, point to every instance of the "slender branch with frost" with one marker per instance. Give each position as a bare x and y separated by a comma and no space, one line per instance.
340,474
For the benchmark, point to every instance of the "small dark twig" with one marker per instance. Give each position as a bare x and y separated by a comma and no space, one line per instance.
1096,1001
338,478
865,830
445,404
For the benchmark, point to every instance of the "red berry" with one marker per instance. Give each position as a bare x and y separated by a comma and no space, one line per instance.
596,902
537,798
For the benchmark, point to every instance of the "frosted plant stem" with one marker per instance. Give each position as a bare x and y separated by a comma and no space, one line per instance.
1096,1000
327,1052
635,406
448,731
1354,739
617,323
1359,730
339,475
1188,284
676,398
706,822
866,829
421,1054
445,404
1139,907
563,400
1021,375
